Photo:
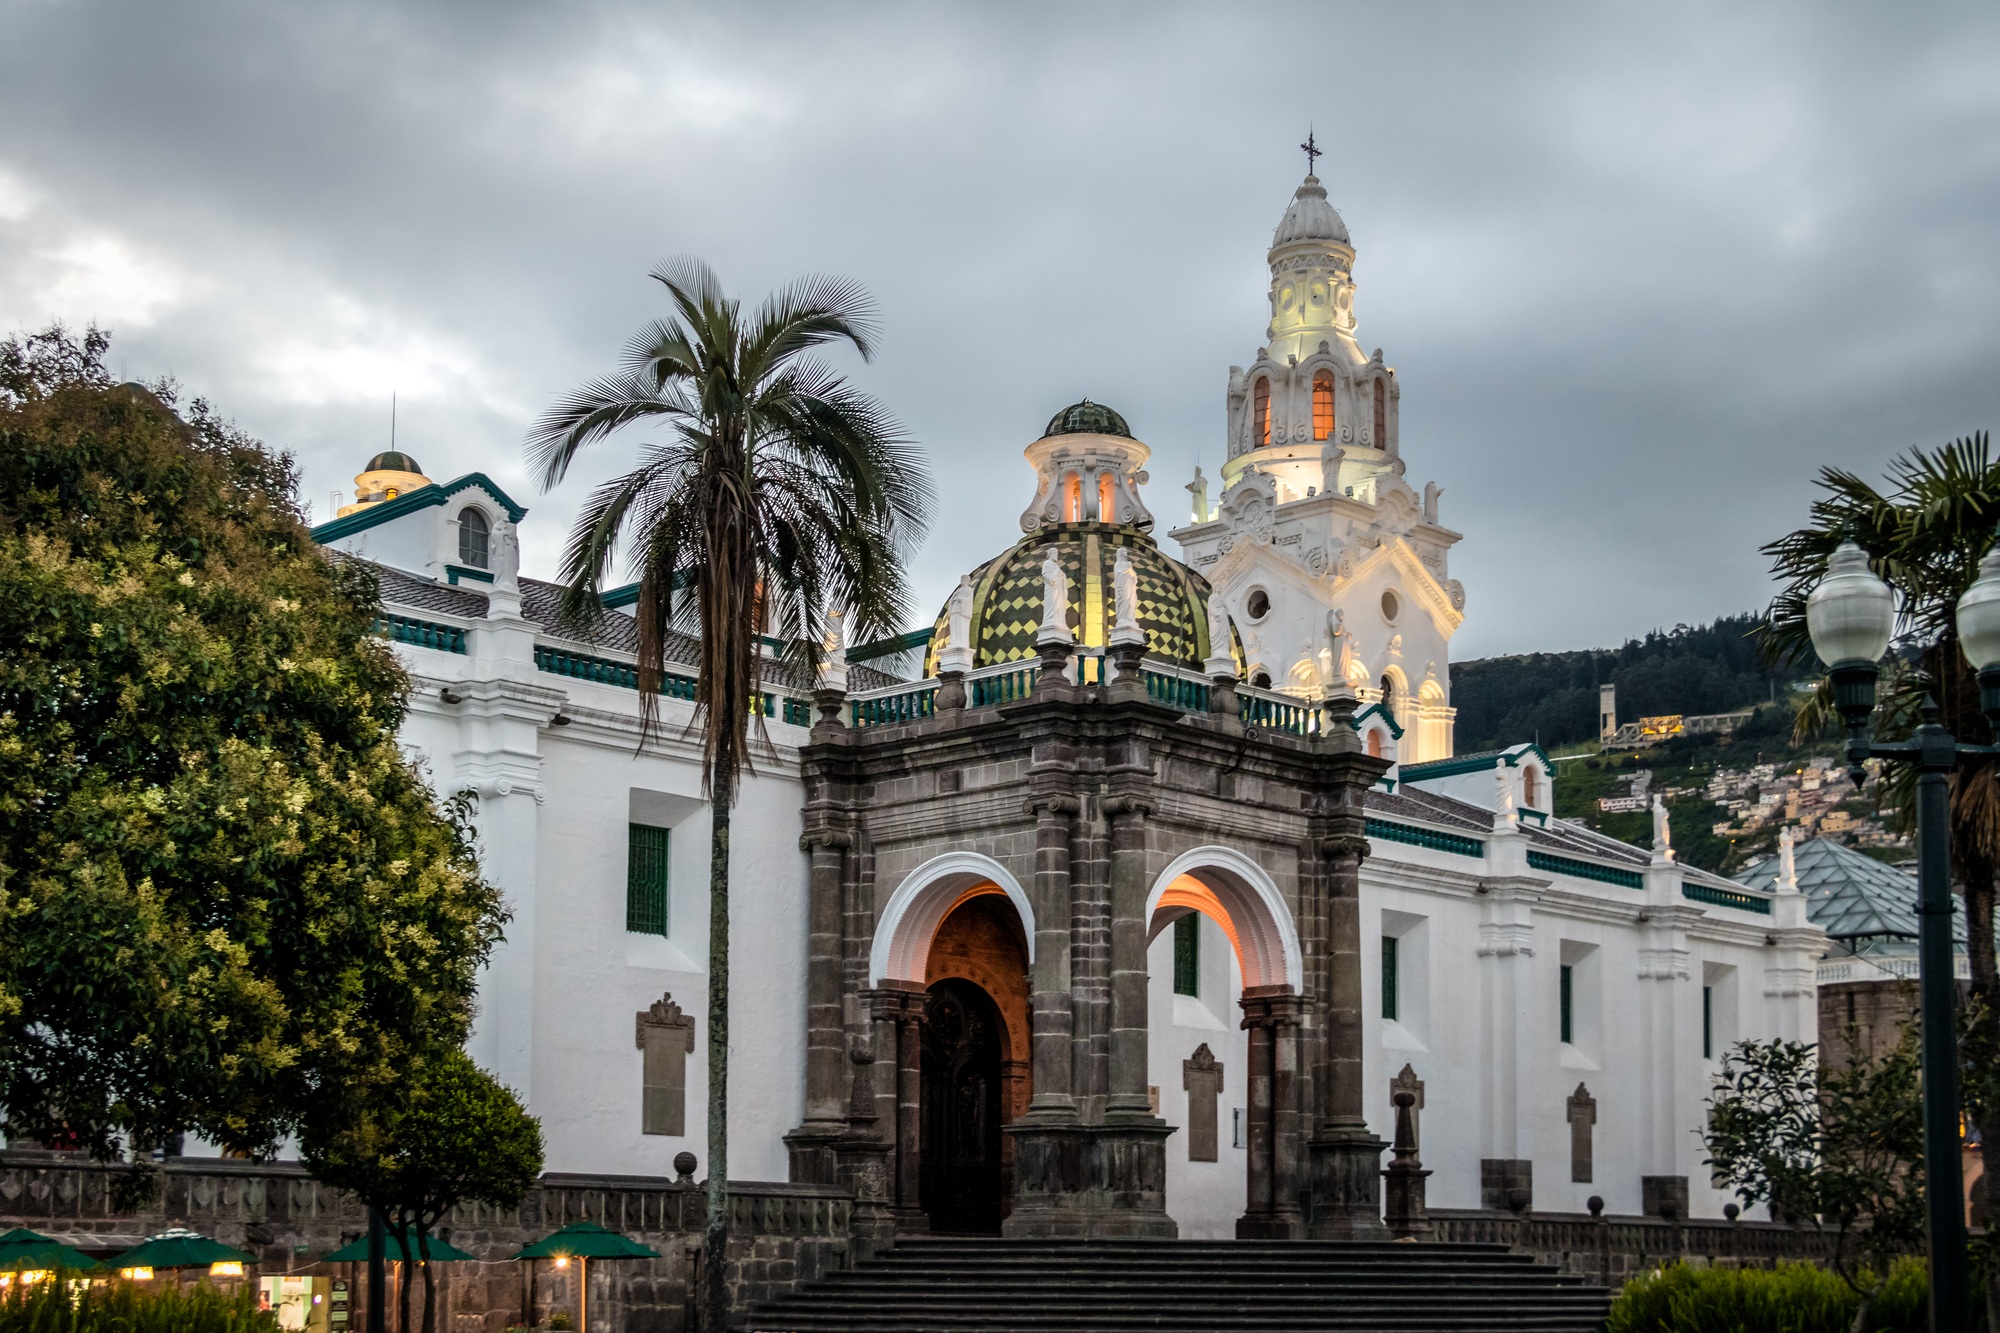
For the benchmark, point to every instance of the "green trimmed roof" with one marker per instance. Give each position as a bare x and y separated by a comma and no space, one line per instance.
409,502
1007,597
392,460
1087,418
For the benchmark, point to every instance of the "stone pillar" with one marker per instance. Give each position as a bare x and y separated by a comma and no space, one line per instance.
1050,1019
1274,1172
1346,1155
899,1011
826,1118
1129,886
1506,1018
863,1159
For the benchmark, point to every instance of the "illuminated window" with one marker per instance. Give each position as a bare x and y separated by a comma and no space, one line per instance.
1323,405
1260,405
1530,790
1107,489
1374,743
473,530
1072,499
1381,414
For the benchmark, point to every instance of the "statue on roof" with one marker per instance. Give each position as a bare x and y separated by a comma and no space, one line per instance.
1663,833
1125,594
1055,600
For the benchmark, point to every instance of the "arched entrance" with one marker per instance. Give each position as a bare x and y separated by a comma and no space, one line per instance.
961,1184
1241,1113
955,944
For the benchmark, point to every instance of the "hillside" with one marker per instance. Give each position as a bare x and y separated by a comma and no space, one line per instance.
1552,697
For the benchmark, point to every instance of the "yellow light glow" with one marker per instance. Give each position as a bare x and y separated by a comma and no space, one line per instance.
33,1275
136,1274
226,1268
562,1261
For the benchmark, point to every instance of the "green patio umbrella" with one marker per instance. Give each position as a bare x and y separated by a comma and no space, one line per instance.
584,1241
178,1247
394,1250
22,1250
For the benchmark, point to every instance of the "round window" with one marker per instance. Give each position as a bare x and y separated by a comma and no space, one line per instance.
1390,606
1259,604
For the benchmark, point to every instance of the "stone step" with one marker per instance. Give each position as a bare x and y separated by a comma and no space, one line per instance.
972,1285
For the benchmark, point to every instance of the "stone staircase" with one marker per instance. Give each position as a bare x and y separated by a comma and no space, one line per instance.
939,1285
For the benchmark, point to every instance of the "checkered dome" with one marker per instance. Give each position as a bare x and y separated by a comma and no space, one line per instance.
1007,597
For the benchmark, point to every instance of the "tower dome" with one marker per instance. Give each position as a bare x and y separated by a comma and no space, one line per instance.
1087,418
1310,218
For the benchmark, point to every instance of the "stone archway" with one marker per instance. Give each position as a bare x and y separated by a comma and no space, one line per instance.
910,920
978,963
1240,898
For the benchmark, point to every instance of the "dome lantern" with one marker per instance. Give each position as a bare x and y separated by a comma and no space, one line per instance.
1088,469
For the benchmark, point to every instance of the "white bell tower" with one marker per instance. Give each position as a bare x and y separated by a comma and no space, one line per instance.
1325,558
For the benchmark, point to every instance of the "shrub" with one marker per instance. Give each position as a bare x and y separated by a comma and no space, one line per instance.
1791,1298
122,1307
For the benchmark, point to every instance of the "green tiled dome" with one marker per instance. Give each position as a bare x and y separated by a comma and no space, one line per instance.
1087,418
392,460
1007,597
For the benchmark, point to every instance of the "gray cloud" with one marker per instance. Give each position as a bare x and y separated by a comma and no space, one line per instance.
1641,272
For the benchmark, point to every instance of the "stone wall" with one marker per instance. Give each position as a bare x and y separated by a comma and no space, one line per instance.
781,1234
1611,1250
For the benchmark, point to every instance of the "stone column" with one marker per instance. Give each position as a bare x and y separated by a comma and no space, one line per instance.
899,1011
1346,1155
1274,1172
826,1117
1128,958
1050,1020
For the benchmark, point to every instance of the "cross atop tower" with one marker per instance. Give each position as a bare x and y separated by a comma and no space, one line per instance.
1312,151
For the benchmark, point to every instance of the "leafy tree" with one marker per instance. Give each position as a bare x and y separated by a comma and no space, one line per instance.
780,494
224,894
444,1133
1926,533
1838,1149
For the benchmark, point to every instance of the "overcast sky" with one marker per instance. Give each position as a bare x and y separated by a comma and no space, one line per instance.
1641,270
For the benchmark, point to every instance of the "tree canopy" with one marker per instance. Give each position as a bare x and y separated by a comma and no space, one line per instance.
224,891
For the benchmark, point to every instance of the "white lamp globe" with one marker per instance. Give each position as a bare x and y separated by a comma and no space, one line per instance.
1851,614
1979,615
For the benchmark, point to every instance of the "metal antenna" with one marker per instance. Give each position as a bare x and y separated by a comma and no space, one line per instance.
392,419
1312,151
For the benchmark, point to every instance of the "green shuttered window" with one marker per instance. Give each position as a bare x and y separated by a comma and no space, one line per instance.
1389,976
1187,954
646,880
1568,1001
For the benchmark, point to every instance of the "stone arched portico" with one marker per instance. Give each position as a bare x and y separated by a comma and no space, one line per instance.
1094,810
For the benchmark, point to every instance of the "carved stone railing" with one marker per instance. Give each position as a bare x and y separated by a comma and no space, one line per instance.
1613,1249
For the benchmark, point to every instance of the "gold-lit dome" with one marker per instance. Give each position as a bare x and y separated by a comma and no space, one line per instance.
389,474
1007,597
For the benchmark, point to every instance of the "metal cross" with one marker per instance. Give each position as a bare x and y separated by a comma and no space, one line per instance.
1311,149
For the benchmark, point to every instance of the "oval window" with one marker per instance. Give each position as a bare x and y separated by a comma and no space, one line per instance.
1259,604
1391,607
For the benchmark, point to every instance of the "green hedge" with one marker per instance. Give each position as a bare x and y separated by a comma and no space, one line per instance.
1791,1298
127,1307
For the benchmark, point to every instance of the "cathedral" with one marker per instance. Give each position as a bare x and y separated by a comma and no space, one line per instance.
1138,903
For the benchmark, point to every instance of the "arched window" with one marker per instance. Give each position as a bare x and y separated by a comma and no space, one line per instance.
1323,405
1072,498
1260,407
1107,498
1530,790
1374,743
473,530
1381,414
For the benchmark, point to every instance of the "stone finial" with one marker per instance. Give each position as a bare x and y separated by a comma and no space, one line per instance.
1055,602
833,653
957,654
684,1166
1198,488
1125,599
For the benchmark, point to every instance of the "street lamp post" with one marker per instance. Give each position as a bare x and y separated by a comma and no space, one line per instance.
1851,616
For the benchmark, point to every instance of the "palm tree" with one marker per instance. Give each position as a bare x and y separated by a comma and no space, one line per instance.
1926,535
779,494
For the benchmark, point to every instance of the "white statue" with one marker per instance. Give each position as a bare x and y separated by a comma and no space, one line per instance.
1788,866
1125,594
1341,669
833,652
1220,661
1663,834
1431,493
1504,809
957,654
1055,600
1198,488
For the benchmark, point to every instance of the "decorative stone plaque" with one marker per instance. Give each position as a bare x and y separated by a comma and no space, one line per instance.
666,1037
